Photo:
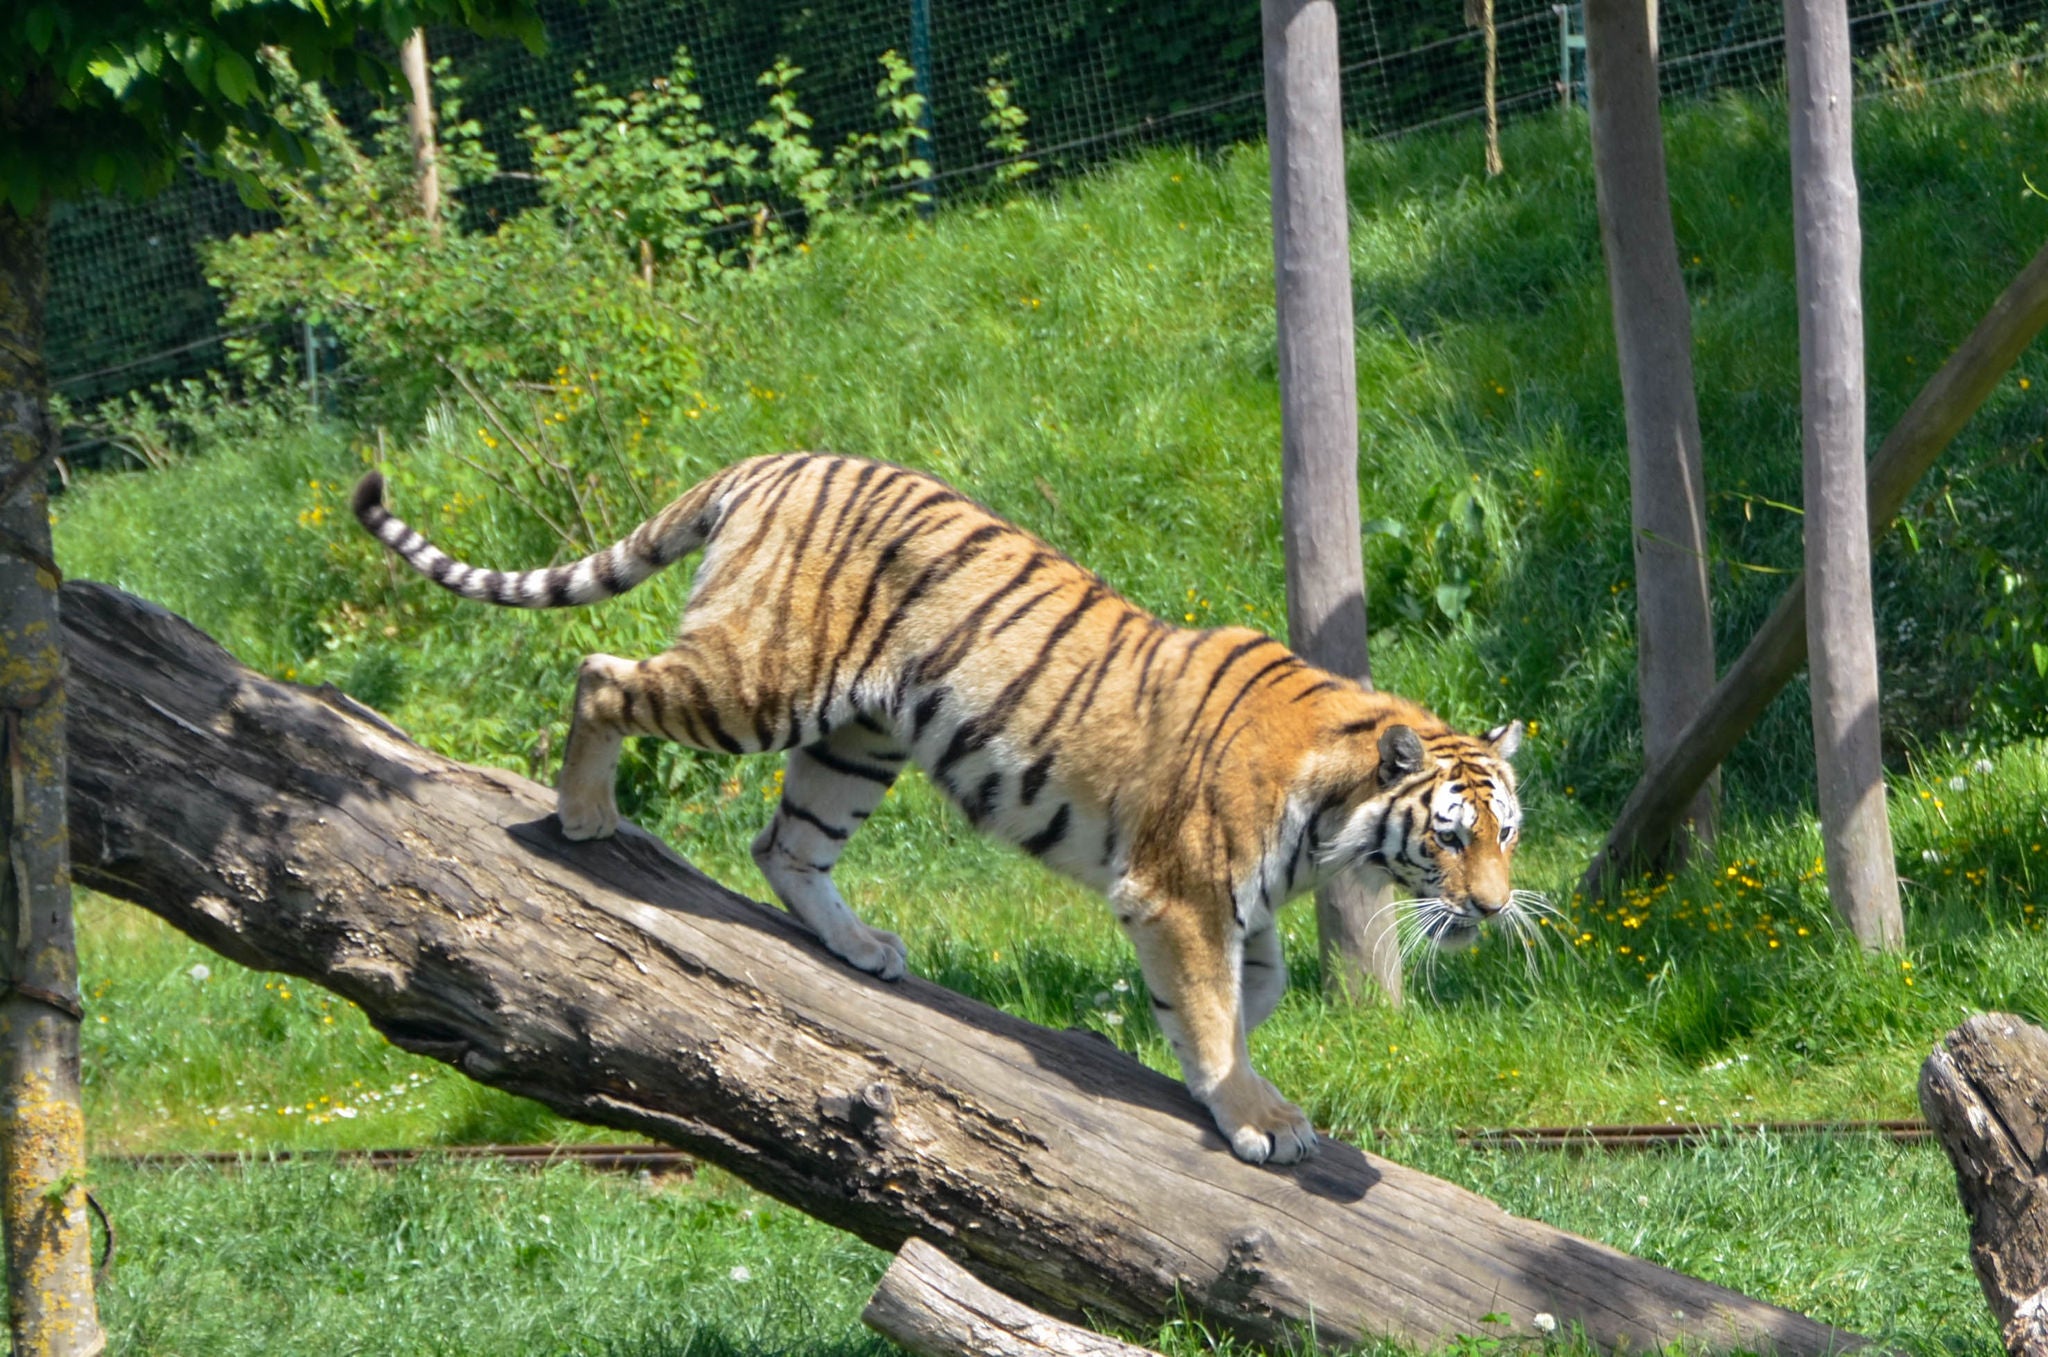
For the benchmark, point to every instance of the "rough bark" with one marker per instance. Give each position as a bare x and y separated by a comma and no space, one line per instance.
426,154
291,830
1855,828
1653,339
1985,1093
930,1305
1319,424
1656,804
51,1308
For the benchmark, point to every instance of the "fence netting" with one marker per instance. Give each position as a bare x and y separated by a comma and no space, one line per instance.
130,305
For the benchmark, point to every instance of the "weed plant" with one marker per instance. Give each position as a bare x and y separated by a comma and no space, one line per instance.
1097,363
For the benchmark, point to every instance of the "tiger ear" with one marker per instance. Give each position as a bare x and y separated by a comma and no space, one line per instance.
1505,739
1400,753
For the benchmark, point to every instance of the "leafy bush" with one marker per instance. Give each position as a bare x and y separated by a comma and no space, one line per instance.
566,330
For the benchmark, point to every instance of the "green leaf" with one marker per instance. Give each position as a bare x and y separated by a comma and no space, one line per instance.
234,75
2041,658
1385,527
197,59
1450,598
41,23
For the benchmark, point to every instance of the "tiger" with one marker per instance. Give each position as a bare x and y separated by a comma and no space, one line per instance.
864,616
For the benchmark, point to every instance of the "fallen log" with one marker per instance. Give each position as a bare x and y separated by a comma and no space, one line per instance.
929,1305
1985,1092
295,831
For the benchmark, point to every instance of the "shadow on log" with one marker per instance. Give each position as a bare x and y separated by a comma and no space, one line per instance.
295,831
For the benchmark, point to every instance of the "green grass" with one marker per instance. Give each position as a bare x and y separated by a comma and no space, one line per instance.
1098,364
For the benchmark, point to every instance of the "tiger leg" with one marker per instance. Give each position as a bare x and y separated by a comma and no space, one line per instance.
828,789
1189,967
1263,973
674,695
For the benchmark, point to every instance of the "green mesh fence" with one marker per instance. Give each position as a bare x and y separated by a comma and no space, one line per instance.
130,305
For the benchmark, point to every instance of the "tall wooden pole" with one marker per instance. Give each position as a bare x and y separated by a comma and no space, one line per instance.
1653,340
426,155
1319,423
1828,255
51,1310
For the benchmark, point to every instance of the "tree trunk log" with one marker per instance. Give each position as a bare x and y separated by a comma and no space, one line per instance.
933,1307
1985,1093
1656,805
1326,619
1653,343
51,1308
294,831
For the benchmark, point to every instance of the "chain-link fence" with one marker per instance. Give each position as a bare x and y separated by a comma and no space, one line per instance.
130,305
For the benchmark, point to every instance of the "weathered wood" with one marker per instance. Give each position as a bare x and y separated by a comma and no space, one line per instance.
930,1305
1658,801
1319,520
1827,249
426,154
1653,344
1985,1092
292,830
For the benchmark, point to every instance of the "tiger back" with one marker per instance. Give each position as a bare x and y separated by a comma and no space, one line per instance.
862,617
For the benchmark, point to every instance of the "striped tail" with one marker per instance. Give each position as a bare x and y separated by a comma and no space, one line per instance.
661,541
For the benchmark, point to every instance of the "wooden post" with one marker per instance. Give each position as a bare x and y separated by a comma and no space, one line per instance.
1855,827
51,1308
1653,340
1657,803
426,155
1985,1093
1319,424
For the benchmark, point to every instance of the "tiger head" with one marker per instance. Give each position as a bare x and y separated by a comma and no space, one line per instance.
1439,816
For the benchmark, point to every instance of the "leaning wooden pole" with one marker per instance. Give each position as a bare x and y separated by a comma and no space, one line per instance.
292,830
1319,520
1658,802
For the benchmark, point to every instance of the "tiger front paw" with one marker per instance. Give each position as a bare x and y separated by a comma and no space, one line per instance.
586,817
874,950
1261,1126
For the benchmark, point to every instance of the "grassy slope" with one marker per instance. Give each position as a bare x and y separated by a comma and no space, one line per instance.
1098,365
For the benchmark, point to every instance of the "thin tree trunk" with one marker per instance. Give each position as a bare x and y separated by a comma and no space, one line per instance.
1653,339
1652,812
426,154
293,831
1319,425
1828,252
51,1309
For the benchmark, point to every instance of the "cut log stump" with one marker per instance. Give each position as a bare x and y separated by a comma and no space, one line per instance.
930,1305
295,831
1985,1092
